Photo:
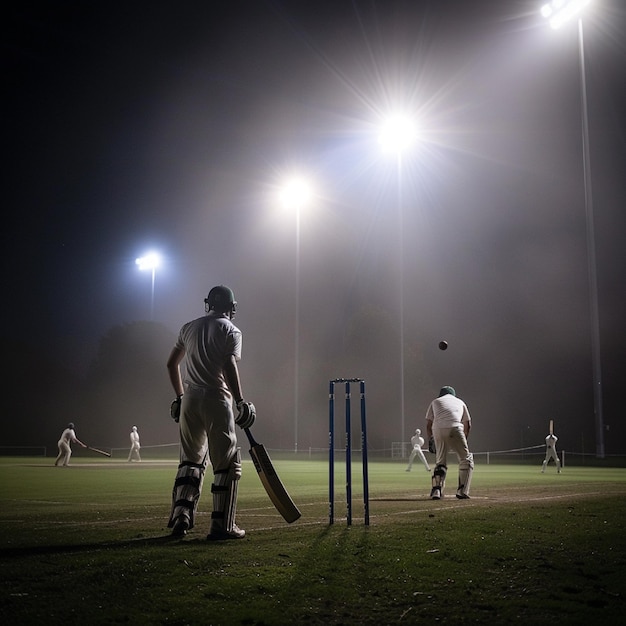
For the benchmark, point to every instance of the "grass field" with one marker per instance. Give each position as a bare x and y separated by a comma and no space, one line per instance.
88,544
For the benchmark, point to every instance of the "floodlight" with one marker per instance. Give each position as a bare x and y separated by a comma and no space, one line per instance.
560,11
295,194
397,134
148,262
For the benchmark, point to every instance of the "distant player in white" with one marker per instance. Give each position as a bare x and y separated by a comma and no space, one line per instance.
134,455
68,437
417,441
448,422
551,440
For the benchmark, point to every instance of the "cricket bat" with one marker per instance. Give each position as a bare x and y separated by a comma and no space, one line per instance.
99,451
272,483
552,427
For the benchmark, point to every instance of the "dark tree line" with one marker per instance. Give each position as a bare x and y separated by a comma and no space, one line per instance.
125,385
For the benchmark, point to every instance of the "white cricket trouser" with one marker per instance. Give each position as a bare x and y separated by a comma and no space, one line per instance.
207,423
453,439
417,451
134,452
551,454
65,452
207,434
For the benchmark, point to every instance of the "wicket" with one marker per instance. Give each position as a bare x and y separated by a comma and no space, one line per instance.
331,451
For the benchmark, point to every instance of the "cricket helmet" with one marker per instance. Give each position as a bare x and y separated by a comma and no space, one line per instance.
418,431
71,425
221,299
447,390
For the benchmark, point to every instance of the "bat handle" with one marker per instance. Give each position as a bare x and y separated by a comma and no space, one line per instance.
251,439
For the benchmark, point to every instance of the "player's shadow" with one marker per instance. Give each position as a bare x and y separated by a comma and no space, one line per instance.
124,544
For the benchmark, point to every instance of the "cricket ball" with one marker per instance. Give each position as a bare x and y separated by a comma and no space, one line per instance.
443,345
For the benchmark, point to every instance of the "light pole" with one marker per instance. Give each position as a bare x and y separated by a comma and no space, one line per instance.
558,12
396,137
294,196
150,262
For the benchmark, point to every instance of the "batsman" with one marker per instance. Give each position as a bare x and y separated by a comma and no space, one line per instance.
551,453
448,424
210,347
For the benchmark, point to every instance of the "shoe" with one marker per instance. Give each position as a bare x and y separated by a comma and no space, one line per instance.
181,526
435,493
220,534
462,496
407,470
428,469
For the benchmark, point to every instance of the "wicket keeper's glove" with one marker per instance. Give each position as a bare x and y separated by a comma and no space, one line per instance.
246,414
431,445
175,409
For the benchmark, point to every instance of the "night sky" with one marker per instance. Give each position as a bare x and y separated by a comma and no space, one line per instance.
172,126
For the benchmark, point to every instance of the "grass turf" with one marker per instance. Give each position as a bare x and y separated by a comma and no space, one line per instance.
89,543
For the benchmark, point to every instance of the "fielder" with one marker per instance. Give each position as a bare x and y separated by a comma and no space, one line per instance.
448,423
134,455
68,436
417,441
211,347
551,440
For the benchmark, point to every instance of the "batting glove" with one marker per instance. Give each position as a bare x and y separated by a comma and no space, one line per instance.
175,409
431,445
246,414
